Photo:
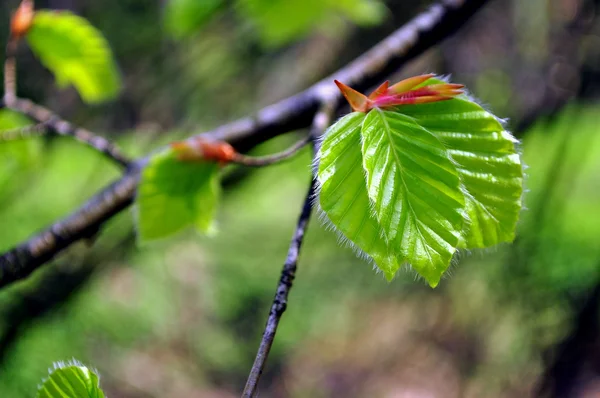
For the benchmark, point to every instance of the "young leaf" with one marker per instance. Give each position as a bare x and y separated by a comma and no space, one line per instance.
71,381
22,19
174,195
441,174
343,192
76,53
415,191
488,164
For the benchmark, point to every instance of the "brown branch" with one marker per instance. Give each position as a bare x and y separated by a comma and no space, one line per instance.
268,160
21,133
64,128
284,286
10,71
320,122
22,260
418,35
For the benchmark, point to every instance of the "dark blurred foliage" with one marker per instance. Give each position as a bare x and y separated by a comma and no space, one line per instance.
183,317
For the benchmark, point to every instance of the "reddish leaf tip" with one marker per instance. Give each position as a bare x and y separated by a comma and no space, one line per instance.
401,93
410,83
358,101
198,149
379,91
22,19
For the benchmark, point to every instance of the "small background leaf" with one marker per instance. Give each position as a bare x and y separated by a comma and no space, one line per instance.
185,17
174,195
282,21
76,53
71,381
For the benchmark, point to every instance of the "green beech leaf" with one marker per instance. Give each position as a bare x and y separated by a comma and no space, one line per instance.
71,381
185,17
343,192
435,177
488,163
174,195
415,191
76,53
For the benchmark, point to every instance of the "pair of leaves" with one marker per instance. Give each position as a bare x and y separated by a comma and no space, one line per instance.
71,381
76,53
413,183
174,195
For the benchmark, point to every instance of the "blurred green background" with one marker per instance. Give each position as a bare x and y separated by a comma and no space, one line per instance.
183,317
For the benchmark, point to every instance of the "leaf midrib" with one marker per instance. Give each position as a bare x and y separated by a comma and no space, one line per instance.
413,215
401,175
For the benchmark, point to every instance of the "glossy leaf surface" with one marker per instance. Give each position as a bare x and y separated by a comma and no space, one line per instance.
343,192
71,381
415,191
76,53
488,163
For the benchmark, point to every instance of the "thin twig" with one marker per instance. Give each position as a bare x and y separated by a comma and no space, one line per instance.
262,161
418,35
62,127
280,301
25,132
25,258
320,123
10,71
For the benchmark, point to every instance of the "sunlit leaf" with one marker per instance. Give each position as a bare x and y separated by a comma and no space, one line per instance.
343,192
71,381
76,53
174,195
185,17
438,173
415,191
488,163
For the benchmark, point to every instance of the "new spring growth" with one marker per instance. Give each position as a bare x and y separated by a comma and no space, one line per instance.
200,149
402,93
22,19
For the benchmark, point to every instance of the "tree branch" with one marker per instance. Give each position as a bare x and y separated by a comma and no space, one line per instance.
286,280
267,160
21,133
22,260
418,35
42,115
62,127
10,71
320,123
